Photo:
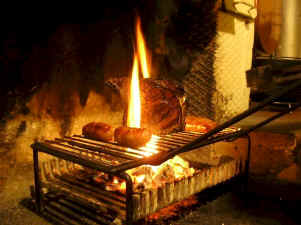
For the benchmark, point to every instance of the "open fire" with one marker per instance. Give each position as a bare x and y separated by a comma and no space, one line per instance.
145,177
98,169
150,177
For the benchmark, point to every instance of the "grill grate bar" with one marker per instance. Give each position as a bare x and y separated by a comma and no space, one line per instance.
104,217
168,145
69,155
85,215
105,158
58,215
115,158
85,194
104,148
174,140
97,188
61,209
125,150
69,215
115,146
183,136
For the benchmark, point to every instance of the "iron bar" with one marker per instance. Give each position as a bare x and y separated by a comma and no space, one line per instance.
161,157
294,107
37,180
129,199
43,147
149,160
247,167
94,155
103,149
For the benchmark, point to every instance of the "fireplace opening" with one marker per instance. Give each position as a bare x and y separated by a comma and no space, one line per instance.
129,115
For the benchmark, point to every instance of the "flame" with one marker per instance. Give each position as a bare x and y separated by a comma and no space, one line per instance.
134,108
140,178
115,180
150,147
153,176
145,67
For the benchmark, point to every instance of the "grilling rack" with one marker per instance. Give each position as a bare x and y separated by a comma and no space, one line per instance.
88,153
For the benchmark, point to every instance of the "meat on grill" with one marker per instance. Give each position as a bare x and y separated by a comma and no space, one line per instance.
198,124
163,103
132,137
98,131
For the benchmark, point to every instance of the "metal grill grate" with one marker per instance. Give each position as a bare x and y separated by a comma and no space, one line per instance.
111,157
75,153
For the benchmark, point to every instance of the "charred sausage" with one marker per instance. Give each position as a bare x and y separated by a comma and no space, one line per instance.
98,131
132,137
199,124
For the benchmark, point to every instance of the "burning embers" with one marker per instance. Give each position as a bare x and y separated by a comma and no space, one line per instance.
150,177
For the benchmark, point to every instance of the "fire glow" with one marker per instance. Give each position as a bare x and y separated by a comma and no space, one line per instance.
147,176
142,53
134,108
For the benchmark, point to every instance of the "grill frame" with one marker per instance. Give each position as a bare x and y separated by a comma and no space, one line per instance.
119,171
211,137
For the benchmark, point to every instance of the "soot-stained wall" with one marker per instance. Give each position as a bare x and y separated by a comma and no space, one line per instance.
54,66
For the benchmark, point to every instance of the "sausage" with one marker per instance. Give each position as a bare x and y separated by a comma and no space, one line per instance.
132,137
98,131
199,124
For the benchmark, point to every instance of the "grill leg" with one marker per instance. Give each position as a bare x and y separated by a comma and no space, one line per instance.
129,199
37,182
247,167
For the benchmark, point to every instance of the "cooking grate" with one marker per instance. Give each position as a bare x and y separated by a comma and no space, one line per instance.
77,152
68,171
113,158
73,181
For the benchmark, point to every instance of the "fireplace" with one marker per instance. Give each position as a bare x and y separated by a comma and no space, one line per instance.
65,77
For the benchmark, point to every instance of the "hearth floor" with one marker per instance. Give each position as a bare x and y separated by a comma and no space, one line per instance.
226,209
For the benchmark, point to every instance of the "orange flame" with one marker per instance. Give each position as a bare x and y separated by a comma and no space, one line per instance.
155,175
145,67
134,108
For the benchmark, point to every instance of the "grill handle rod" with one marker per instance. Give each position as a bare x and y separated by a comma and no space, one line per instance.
232,121
245,132
203,140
